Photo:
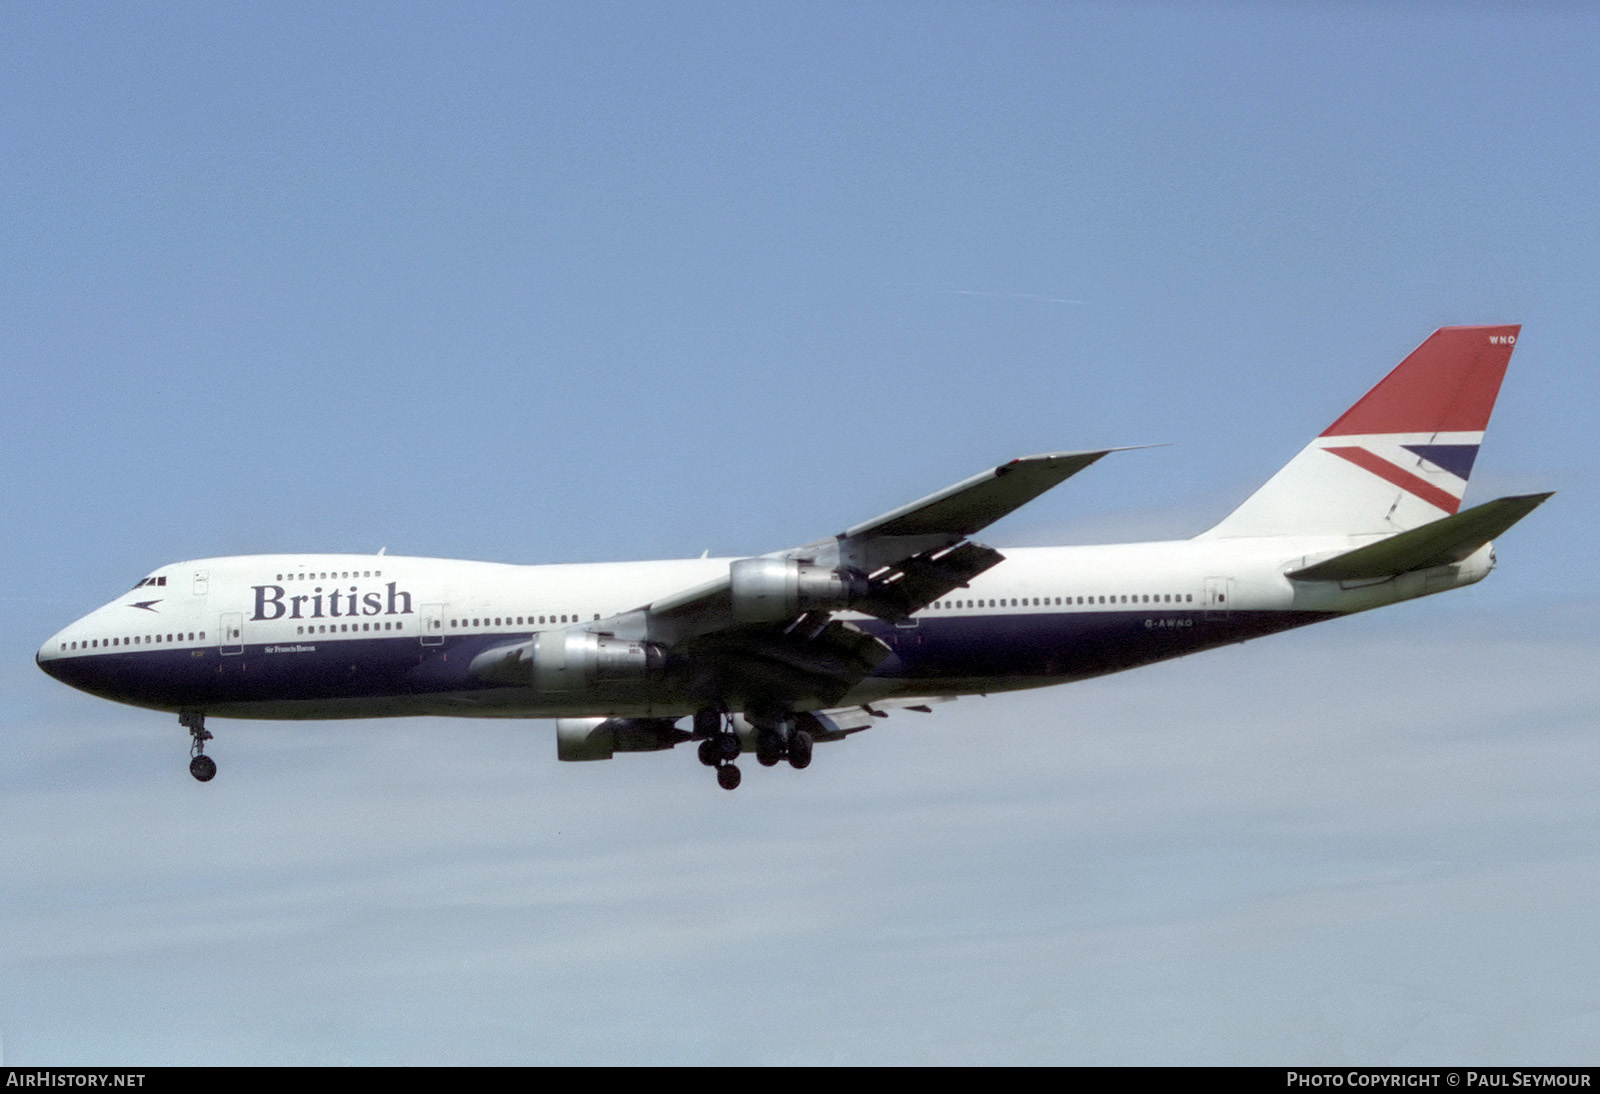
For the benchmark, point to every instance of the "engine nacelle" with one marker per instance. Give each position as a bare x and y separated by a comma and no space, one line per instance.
567,661
579,739
768,590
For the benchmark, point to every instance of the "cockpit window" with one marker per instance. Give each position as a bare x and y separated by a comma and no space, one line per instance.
151,581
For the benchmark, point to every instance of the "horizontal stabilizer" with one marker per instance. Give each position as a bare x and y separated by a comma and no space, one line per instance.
1439,543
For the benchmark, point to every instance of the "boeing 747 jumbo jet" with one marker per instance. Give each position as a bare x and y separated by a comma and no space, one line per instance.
775,653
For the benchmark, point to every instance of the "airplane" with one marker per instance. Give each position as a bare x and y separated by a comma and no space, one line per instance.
776,653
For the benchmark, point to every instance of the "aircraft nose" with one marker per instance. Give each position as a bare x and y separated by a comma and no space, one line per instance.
48,658
99,672
58,661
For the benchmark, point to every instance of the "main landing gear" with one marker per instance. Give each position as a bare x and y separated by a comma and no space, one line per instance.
776,740
201,766
719,745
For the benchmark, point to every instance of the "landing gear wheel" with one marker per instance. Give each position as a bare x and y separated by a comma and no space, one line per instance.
769,748
201,766
729,744
710,752
800,750
728,777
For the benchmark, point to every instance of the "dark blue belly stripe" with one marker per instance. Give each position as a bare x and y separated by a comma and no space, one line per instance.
1004,647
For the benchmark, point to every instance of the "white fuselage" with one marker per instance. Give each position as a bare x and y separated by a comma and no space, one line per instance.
317,636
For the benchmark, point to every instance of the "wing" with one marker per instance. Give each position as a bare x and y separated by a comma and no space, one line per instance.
766,632
909,557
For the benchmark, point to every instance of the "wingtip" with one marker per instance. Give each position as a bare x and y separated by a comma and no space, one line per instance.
1079,454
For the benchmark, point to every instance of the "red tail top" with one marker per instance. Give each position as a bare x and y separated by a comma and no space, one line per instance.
1447,385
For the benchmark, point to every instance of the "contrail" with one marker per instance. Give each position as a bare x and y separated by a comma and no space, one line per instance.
1015,296
1039,298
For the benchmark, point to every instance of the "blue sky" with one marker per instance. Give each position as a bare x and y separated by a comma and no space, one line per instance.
545,283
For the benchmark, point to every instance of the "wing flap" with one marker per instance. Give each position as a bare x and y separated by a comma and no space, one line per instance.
817,658
924,578
847,720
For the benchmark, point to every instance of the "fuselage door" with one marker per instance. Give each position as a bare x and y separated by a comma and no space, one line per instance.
231,632
433,624
1219,596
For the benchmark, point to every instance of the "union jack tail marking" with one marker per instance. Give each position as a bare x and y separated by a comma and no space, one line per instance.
1402,454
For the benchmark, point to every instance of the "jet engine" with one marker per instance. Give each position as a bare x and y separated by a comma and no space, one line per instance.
580,739
769,590
568,661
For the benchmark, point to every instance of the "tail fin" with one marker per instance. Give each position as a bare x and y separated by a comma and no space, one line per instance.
1397,459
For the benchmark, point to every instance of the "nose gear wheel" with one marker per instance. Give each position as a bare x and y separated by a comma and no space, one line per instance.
201,766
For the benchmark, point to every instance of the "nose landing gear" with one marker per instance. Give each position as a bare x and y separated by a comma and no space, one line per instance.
201,766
